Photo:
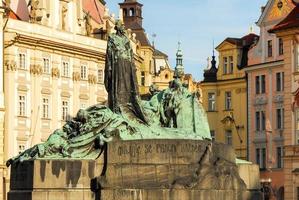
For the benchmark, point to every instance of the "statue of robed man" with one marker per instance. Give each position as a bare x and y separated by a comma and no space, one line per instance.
120,75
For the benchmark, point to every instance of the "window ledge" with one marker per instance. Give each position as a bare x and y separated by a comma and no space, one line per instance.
227,110
212,111
46,119
20,116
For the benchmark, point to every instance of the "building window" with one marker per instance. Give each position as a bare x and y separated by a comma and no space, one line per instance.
279,81
212,101
270,46
257,85
100,76
260,156
46,67
279,118
228,100
45,107
225,65
22,105
65,110
279,153
280,46
83,73
260,121
264,158
65,69
22,61
231,65
142,78
213,136
260,84
228,137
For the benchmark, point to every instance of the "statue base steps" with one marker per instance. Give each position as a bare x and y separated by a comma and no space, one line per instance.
140,170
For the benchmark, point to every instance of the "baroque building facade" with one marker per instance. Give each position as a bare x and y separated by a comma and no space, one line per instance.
53,63
287,31
224,93
269,99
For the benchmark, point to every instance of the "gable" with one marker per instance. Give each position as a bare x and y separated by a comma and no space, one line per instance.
225,46
276,10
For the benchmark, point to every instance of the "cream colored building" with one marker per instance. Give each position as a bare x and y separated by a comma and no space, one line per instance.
51,70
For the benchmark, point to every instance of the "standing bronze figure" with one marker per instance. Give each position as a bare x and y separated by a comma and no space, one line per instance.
120,75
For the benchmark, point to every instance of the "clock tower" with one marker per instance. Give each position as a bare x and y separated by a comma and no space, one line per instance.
132,14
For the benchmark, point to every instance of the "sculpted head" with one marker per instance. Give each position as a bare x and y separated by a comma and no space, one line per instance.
120,27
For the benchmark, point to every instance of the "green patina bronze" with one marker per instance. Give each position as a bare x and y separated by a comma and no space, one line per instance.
170,114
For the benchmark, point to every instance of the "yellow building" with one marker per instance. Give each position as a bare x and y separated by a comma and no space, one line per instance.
224,94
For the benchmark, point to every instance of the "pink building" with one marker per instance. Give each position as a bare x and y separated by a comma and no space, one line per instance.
266,96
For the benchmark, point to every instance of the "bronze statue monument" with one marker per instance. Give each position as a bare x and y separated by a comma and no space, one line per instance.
131,149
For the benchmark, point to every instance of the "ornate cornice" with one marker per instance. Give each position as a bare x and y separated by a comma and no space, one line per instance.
58,46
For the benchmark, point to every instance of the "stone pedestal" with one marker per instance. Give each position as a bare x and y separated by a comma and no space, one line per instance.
140,170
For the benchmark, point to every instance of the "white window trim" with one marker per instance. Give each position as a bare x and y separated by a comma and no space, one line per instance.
50,66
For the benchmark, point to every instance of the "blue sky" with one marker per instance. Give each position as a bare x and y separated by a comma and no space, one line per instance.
196,23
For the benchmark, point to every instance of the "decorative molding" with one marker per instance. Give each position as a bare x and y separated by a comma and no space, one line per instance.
65,94
23,88
278,99
92,79
84,96
55,72
76,76
238,90
10,65
260,101
46,91
36,69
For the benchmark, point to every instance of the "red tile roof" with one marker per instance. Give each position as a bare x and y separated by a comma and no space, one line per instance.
291,21
95,8
20,9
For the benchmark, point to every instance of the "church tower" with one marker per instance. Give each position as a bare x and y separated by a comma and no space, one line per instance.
179,60
132,14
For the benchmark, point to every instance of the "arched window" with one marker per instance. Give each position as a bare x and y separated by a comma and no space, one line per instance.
132,12
125,12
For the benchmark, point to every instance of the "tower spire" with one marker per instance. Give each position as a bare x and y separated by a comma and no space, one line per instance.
179,69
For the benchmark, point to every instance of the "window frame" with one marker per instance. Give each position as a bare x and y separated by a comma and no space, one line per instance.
44,65
83,72
100,76
22,59
45,108
228,100
229,137
22,111
212,101
65,110
225,65
65,73
270,48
